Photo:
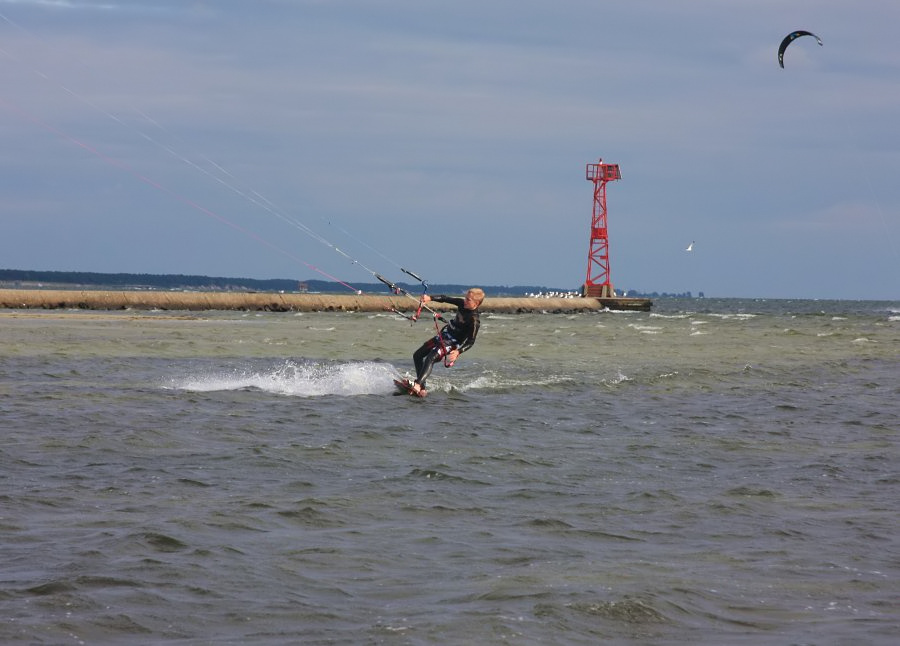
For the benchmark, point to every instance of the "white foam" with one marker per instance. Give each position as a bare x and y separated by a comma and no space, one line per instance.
730,317
298,379
493,381
645,329
668,316
620,378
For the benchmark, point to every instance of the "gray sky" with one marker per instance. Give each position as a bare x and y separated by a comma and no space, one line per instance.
451,138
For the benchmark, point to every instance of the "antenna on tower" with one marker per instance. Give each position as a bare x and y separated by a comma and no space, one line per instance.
598,284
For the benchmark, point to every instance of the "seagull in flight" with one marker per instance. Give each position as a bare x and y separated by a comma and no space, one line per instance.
690,247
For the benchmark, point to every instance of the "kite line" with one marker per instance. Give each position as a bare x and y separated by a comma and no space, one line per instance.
223,178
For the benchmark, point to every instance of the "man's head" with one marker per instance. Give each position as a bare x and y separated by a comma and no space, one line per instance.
474,297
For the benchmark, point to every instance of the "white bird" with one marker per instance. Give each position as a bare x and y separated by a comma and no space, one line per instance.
690,247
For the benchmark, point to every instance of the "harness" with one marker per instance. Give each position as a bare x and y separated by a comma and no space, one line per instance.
439,341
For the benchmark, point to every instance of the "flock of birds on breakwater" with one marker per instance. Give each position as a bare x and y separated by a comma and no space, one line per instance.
554,295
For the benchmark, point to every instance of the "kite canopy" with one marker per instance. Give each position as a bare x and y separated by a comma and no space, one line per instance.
789,39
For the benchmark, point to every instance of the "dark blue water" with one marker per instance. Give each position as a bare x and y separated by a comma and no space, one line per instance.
714,472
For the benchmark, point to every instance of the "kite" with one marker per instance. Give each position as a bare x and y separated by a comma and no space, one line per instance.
789,39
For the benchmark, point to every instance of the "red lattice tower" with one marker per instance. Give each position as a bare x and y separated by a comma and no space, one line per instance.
598,283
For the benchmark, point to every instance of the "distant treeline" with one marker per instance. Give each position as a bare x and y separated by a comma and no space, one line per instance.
94,280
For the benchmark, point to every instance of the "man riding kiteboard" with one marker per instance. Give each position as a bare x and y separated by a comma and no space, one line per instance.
453,339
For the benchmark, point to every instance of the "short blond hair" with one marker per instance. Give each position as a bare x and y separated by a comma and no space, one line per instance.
477,294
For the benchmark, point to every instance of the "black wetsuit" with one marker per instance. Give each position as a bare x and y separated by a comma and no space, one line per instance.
459,334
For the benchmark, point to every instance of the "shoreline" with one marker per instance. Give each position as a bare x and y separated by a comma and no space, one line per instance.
19,299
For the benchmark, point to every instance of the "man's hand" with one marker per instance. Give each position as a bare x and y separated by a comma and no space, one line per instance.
452,356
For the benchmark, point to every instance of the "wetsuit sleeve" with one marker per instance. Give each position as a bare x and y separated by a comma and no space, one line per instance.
452,300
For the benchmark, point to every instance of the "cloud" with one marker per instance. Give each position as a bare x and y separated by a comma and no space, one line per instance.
65,4
856,218
401,120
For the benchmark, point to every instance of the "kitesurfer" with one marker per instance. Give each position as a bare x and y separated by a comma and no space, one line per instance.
454,338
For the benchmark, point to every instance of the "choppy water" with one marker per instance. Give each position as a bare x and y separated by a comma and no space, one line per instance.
714,472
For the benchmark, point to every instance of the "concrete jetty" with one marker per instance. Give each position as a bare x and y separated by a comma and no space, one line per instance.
294,302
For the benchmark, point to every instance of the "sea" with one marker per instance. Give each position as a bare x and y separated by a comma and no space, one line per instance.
714,471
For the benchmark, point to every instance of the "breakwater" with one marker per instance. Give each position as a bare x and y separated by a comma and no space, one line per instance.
274,302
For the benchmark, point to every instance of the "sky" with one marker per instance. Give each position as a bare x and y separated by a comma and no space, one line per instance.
320,139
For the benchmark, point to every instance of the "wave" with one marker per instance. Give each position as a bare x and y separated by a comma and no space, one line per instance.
296,378
309,378
732,316
646,329
493,381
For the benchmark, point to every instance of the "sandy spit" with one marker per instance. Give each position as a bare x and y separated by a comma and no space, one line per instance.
50,299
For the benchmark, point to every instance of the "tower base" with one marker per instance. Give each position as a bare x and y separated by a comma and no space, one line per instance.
598,291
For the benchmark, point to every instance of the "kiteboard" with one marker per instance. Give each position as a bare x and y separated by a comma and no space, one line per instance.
404,386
